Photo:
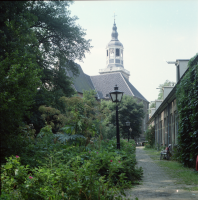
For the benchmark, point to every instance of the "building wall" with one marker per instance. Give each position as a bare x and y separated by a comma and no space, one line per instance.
166,125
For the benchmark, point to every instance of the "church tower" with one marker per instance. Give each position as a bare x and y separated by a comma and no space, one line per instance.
114,55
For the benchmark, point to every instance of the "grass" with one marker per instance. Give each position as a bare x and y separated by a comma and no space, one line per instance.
183,175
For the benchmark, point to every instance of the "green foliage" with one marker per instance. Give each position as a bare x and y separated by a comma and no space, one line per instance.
61,42
150,136
186,94
38,42
152,105
19,71
52,117
67,172
81,113
128,110
166,83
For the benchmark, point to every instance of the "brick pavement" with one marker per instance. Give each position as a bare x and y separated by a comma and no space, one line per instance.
156,183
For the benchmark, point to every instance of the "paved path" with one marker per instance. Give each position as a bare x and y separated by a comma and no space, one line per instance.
156,183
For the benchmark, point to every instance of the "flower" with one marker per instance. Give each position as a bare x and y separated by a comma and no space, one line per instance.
89,151
111,160
17,156
97,152
119,161
30,177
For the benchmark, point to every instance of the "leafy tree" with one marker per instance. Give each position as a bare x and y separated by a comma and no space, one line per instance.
19,71
60,42
166,83
152,105
39,40
150,135
81,113
187,103
128,110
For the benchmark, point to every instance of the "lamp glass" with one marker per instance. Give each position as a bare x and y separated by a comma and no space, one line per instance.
128,123
113,97
119,97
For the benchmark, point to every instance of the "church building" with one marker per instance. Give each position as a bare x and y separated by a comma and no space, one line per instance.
113,74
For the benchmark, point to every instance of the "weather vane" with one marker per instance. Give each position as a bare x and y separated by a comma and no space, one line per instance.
114,17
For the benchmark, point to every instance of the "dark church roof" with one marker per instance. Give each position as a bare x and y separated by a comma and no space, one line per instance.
135,91
81,82
105,83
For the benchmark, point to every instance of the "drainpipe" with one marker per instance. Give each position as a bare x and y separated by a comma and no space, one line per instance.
155,132
168,122
158,132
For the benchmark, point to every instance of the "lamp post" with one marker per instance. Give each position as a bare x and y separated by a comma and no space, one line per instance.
116,96
131,132
128,124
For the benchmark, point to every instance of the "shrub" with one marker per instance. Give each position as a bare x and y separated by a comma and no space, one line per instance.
99,171
150,136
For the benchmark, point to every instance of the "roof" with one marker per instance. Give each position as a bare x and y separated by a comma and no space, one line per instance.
105,83
81,82
114,43
135,91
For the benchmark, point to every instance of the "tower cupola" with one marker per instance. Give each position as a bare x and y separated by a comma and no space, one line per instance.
114,55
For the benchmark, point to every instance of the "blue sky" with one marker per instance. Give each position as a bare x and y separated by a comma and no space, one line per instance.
152,32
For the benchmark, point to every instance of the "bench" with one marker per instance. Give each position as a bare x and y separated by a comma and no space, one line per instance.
165,154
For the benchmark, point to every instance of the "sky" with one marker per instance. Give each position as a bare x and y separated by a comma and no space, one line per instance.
152,32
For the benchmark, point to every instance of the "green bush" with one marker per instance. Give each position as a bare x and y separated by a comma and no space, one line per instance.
64,171
150,137
148,146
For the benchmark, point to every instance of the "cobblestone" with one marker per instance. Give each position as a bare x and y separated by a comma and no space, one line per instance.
156,183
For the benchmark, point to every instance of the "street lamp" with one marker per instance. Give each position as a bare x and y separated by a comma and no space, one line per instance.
131,132
116,96
128,124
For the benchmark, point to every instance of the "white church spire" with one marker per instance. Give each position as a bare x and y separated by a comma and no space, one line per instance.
114,55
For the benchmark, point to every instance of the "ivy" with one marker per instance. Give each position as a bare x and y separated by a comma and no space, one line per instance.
187,102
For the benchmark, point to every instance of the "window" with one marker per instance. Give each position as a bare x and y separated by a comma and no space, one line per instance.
107,52
117,52
121,53
111,52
